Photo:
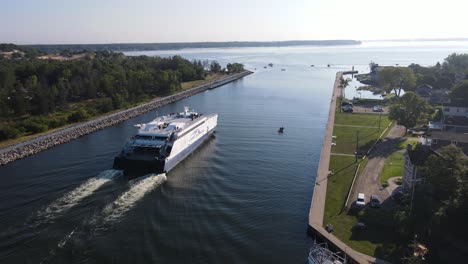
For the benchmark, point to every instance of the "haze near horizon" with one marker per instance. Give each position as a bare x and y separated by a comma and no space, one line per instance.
147,21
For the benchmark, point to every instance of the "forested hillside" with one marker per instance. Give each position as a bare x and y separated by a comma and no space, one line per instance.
37,94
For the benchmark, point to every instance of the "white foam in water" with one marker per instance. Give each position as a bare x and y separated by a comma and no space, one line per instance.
62,243
127,200
73,197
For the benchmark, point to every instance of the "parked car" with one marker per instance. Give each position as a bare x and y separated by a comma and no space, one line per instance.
418,130
346,103
360,226
377,108
347,109
361,200
375,201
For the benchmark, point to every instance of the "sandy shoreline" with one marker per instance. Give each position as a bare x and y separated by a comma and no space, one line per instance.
40,143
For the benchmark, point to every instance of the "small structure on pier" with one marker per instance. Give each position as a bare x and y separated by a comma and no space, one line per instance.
320,254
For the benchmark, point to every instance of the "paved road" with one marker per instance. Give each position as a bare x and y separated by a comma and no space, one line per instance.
368,109
369,180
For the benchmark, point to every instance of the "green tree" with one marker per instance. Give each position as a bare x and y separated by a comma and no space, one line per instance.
344,82
446,189
215,67
18,100
8,131
409,110
455,63
78,115
234,67
460,92
396,79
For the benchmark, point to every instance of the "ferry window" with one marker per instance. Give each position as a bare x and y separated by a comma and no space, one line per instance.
143,137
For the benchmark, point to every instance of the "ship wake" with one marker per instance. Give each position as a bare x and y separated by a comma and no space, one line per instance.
74,197
111,214
114,211
126,201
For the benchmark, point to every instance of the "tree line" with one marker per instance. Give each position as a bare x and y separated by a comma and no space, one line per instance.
446,76
187,45
36,95
438,211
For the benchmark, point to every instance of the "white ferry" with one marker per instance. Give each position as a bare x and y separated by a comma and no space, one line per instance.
164,142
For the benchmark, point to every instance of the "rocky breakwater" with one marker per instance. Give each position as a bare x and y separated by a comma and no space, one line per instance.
47,141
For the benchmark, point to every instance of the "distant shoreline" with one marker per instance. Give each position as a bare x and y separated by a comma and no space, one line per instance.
50,48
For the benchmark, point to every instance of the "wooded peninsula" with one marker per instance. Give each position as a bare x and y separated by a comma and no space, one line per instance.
40,91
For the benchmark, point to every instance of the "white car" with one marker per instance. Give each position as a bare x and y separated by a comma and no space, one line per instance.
361,200
377,108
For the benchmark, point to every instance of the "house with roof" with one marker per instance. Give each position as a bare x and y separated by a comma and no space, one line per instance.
414,158
455,117
441,139
433,96
424,91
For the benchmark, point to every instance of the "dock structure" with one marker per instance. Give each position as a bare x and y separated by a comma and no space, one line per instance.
317,208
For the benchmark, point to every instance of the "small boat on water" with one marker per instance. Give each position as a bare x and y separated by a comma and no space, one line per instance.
283,69
164,142
281,130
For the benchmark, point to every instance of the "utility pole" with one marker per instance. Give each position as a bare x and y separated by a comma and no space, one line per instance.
380,119
357,144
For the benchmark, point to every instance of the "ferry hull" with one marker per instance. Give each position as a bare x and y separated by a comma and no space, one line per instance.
130,166
171,162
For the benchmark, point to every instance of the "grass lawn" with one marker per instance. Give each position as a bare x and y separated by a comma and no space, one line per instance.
361,119
209,78
379,239
343,168
393,167
404,143
346,139
367,127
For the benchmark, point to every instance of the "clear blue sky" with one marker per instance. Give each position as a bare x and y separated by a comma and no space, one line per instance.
116,21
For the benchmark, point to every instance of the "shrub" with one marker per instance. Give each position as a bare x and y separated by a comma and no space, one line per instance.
8,132
57,121
34,126
105,105
78,115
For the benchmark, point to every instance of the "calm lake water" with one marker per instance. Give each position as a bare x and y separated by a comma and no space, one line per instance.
243,197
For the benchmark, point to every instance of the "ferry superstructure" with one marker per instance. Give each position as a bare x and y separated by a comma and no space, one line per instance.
164,142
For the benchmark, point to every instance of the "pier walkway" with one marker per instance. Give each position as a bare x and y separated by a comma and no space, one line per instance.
317,207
